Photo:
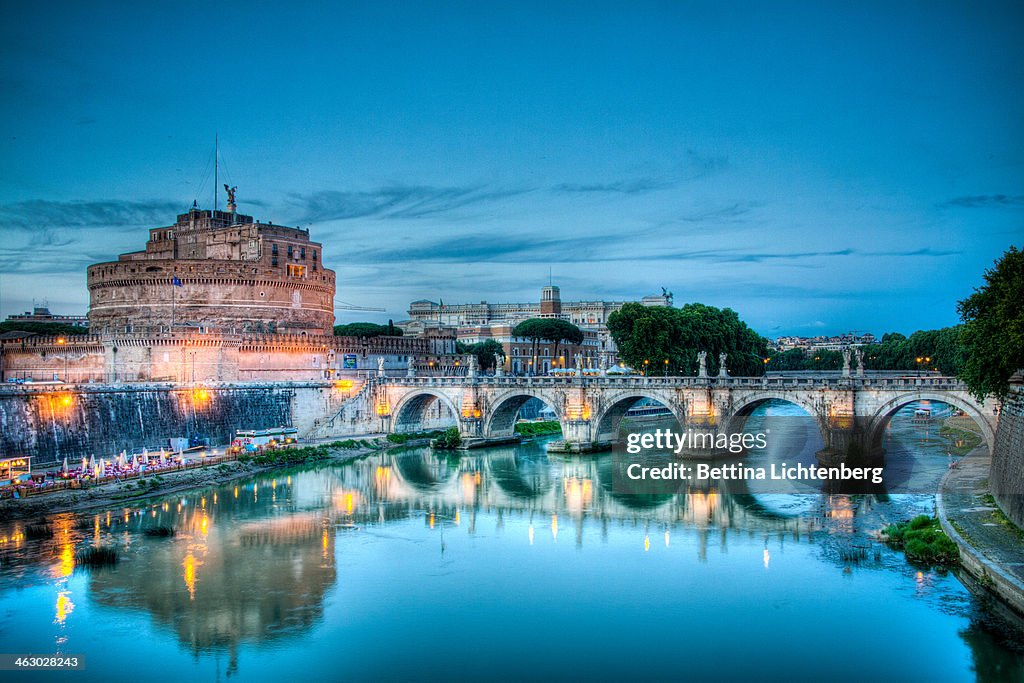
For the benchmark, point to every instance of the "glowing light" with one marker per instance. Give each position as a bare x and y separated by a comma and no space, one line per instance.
554,527
531,534
67,561
767,558
431,521
647,542
666,538
189,575
64,607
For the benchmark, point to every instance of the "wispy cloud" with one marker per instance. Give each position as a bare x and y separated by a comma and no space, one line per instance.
984,201
395,201
635,186
36,214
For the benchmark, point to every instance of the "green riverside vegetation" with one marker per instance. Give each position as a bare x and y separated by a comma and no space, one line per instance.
449,440
923,541
406,437
538,428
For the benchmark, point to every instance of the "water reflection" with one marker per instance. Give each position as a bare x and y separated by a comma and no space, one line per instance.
255,563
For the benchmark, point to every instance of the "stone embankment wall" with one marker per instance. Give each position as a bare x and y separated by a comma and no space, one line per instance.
1007,478
51,424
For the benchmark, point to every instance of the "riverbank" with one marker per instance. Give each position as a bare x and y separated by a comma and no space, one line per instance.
175,481
991,547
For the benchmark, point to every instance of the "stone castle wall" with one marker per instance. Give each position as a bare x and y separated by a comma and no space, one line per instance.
1007,478
201,358
51,424
139,297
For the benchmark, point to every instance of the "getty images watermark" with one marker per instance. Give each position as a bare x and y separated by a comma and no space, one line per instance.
699,443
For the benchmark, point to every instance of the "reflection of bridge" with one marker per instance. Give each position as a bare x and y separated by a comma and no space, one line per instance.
851,412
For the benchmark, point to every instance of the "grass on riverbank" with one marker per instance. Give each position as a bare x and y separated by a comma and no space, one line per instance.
300,455
449,440
923,541
538,428
406,437
999,517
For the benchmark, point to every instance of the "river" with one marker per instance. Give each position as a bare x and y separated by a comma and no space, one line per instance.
502,564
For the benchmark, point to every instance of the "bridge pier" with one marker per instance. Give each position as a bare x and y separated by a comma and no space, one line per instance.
847,440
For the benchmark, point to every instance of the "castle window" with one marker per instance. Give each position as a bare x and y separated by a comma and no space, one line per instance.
302,253
314,254
291,251
296,271
273,248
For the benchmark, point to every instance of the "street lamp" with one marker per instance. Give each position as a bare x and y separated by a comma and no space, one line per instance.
646,363
666,367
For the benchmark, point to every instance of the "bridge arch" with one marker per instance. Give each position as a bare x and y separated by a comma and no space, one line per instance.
504,409
746,405
881,417
413,411
609,418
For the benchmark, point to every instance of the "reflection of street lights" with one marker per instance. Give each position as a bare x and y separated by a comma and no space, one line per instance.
62,341
922,359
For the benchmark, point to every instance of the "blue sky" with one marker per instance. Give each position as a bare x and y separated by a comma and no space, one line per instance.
814,167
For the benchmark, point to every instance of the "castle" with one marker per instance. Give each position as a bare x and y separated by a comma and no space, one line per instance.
216,297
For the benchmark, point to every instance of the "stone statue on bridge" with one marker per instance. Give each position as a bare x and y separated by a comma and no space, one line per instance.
702,360
722,371
380,366
578,359
846,362
859,354
471,368
410,370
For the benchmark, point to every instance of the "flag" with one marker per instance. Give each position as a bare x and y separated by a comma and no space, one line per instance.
176,282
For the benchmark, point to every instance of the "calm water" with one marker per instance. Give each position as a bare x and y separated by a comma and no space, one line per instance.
505,563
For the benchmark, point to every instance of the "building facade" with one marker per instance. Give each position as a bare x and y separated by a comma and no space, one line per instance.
477,322
41,314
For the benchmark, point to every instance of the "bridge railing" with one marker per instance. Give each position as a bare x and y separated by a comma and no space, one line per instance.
802,381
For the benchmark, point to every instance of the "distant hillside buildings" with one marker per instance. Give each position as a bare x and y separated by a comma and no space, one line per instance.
822,343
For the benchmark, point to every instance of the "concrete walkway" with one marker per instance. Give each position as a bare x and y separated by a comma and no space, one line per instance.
991,551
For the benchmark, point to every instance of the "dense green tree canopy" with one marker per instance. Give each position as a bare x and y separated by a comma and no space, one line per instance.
367,330
993,330
656,334
550,330
487,352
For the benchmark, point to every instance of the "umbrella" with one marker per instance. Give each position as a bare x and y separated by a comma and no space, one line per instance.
85,463
135,462
145,455
161,456
92,462
65,468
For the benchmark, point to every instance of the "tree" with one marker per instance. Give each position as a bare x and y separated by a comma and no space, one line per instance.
550,330
656,334
487,352
993,330
367,330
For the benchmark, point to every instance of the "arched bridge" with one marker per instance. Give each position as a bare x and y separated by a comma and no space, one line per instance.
851,412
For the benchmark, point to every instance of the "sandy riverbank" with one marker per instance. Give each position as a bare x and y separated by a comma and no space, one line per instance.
131,492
